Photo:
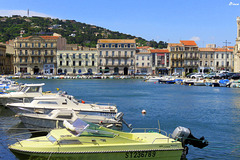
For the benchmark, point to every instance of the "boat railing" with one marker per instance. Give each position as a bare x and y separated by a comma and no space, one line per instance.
95,103
150,130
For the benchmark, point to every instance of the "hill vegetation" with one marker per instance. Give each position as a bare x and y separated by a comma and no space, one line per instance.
75,32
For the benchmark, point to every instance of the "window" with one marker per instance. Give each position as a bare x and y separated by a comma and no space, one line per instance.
73,63
113,62
26,59
227,64
32,45
92,55
148,57
201,55
106,53
125,53
20,60
148,64
113,53
51,45
45,52
39,45
211,55
33,89
32,60
131,62
142,57
39,59
52,52
32,52
211,63
217,56
60,63
26,52
20,45
217,64
136,64
128,45
80,56
227,55
222,56
200,63
47,102
92,63
222,63
39,52
86,63
86,56
45,60
67,56
46,45
137,58
119,53
20,52
119,61
206,63
125,62
142,64
60,55
67,63
206,55
79,63
100,62
131,53
51,59
26,44
73,56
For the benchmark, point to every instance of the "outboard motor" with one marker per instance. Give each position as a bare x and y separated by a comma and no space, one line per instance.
119,118
185,136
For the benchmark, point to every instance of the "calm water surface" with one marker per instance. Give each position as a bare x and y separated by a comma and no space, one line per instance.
210,112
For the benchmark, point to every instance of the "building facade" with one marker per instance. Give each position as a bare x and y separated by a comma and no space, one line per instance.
72,62
116,56
224,59
143,61
2,58
206,60
160,61
237,48
37,54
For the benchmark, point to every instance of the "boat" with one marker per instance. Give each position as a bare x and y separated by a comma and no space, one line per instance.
189,82
46,122
45,104
82,140
152,79
200,83
234,84
27,93
223,82
7,85
167,80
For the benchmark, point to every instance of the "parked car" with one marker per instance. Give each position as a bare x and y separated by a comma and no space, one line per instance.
190,74
26,73
211,75
18,74
229,75
88,73
197,75
235,76
221,76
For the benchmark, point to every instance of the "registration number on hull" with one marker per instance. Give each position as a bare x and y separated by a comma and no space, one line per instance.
140,154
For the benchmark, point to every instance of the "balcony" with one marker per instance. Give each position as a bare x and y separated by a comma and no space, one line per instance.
191,58
190,65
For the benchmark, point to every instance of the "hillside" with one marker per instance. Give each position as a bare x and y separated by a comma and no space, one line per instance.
75,32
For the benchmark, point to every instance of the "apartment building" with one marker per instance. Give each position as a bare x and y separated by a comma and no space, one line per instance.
2,58
143,61
37,54
116,56
72,62
184,57
237,48
160,61
206,60
224,59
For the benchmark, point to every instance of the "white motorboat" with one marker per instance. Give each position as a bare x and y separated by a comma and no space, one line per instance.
152,79
45,122
7,85
200,83
28,92
45,104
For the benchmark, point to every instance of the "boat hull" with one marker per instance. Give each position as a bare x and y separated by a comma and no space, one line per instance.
104,155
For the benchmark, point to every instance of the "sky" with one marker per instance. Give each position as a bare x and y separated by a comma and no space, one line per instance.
205,21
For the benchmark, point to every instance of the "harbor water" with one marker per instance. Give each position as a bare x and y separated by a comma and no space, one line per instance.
210,112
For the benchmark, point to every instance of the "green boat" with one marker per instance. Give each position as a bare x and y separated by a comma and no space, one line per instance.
81,140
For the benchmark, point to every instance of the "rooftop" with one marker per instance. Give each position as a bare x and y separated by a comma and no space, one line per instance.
188,43
159,51
116,41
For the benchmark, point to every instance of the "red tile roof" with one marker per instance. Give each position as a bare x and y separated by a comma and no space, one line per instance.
222,50
159,51
175,45
188,43
206,49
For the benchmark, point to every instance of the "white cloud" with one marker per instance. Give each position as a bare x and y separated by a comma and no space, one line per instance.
195,38
22,13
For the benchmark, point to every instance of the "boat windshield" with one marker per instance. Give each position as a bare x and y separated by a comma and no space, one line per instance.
82,128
